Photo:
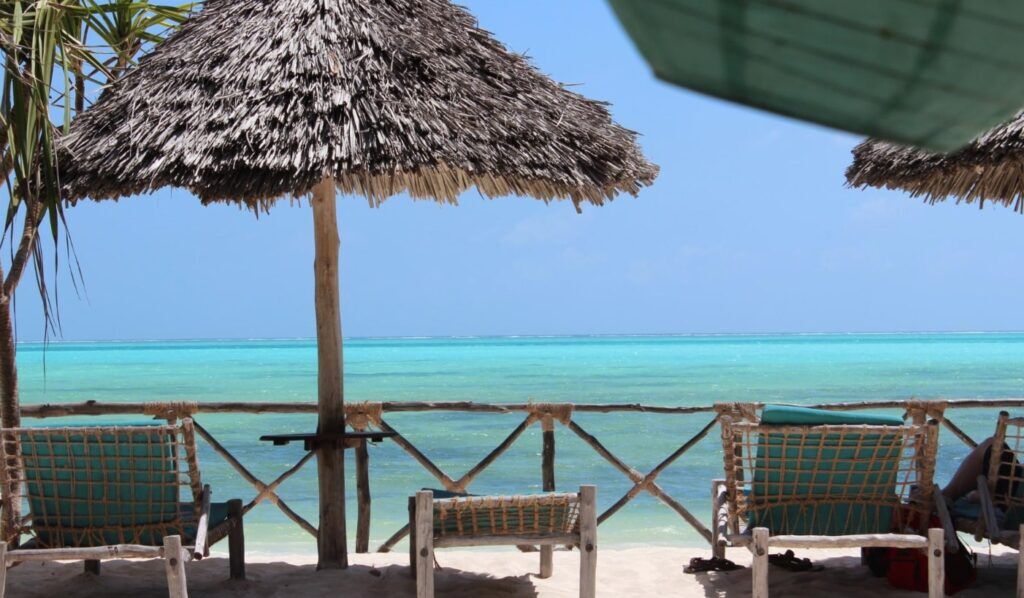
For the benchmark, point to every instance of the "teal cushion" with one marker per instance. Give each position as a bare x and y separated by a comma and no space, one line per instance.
780,415
87,490
792,468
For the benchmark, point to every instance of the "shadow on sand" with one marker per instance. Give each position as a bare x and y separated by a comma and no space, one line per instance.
846,577
208,578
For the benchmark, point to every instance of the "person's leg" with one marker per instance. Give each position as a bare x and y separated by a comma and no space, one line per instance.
965,480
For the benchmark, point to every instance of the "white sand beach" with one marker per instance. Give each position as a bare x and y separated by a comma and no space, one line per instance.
483,574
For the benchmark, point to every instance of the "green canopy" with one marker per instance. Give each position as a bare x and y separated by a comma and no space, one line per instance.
929,73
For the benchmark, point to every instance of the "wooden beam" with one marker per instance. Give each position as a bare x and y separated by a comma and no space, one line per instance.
201,547
759,568
936,568
96,408
850,541
1020,563
395,538
331,541
174,564
588,541
959,433
117,551
547,555
3,568
236,540
541,539
424,545
363,498
434,470
462,483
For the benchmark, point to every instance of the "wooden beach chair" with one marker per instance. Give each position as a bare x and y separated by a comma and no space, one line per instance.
112,492
998,514
808,478
541,519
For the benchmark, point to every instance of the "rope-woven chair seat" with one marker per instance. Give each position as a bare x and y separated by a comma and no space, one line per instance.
506,515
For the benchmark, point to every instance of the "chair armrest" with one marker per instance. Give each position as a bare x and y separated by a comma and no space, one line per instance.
988,508
201,548
945,520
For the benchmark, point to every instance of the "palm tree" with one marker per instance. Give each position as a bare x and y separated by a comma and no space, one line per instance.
57,54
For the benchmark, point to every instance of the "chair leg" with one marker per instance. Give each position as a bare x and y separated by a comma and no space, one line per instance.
547,561
3,568
760,565
175,567
588,541
425,544
92,566
936,561
1020,565
413,547
236,541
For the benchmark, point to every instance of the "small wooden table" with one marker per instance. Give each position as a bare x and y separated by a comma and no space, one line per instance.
312,441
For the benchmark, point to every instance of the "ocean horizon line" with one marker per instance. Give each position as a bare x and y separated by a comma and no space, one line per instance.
527,336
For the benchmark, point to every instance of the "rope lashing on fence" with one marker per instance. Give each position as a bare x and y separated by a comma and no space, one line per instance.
360,416
921,411
170,410
737,411
547,413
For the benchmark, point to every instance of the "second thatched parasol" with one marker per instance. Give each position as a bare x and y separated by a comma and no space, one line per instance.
990,168
256,100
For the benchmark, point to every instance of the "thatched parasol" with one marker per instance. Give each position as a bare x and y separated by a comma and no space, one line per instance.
256,100
990,168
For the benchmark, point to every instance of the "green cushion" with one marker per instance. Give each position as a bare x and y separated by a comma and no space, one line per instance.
85,490
794,415
791,468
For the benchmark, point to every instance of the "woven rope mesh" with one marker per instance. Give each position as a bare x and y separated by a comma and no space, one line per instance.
829,480
1007,479
507,515
96,486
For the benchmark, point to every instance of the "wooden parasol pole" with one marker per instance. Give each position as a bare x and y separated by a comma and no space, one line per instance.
331,540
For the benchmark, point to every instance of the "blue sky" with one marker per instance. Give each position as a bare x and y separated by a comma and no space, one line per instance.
748,229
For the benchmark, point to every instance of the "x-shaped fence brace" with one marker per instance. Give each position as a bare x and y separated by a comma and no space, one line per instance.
266,491
546,414
363,416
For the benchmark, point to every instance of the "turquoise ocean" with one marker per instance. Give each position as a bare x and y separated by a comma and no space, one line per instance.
652,370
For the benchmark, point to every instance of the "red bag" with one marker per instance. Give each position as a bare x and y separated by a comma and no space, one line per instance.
907,568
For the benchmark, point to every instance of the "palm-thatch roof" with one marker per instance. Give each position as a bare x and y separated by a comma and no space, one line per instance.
254,100
991,168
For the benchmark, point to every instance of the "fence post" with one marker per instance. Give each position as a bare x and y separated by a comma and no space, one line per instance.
363,497
548,474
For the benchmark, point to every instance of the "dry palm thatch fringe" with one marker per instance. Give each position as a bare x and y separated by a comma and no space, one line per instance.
991,168
255,100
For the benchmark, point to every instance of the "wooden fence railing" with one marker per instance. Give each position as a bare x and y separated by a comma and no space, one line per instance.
365,416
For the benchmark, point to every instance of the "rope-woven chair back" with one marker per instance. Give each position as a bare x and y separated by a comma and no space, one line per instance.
97,486
829,479
506,515
1006,474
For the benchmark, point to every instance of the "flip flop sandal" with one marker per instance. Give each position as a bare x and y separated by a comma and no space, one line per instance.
699,565
789,562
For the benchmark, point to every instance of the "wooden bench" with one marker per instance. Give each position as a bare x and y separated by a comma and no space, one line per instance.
541,519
